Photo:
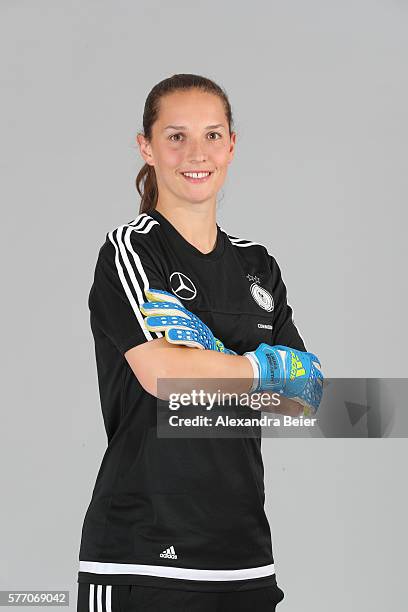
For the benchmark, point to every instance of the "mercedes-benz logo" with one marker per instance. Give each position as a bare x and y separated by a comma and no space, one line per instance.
182,286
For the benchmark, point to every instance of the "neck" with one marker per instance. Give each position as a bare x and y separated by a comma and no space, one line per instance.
197,226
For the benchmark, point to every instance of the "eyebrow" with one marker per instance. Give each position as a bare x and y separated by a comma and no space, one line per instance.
183,127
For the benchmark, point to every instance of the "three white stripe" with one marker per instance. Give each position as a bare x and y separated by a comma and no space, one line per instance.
241,242
99,593
123,249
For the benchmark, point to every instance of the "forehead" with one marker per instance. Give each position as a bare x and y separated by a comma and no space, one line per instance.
190,108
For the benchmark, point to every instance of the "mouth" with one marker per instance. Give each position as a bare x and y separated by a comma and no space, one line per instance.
197,177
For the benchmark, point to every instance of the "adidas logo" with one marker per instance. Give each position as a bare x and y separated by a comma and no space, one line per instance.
296,368
169,553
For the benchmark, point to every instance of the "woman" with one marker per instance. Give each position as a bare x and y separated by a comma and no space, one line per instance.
179,523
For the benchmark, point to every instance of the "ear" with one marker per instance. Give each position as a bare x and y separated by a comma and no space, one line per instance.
145,149
232,147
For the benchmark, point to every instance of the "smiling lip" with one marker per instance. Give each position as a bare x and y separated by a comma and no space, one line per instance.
197,180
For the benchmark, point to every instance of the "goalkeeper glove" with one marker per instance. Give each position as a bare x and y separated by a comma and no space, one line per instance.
292,373
164,312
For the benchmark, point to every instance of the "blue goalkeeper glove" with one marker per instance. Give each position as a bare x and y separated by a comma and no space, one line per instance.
164,312
292,373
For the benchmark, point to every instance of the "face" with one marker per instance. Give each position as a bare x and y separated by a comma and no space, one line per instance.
190,135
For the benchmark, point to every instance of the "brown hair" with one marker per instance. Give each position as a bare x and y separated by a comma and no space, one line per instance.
146,183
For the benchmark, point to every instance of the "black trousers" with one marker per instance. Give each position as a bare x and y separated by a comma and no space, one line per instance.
135,598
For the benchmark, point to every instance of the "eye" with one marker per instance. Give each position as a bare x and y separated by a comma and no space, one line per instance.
172,136
218,134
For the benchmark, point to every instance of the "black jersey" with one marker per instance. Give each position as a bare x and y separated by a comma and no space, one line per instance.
178,512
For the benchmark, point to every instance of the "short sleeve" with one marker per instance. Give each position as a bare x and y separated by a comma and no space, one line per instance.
124,269
284,330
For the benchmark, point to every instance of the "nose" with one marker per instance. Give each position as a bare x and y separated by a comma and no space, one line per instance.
196,152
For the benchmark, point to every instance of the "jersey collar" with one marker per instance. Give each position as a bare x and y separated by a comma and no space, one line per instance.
181,243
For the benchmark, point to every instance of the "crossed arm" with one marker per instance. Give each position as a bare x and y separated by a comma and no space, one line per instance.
158,359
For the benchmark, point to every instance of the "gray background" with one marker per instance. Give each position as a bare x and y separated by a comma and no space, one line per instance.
319,94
